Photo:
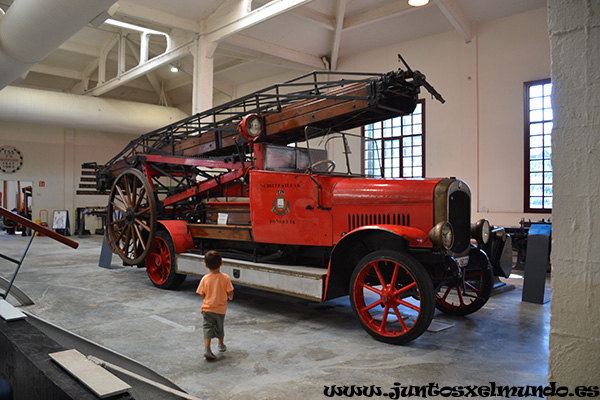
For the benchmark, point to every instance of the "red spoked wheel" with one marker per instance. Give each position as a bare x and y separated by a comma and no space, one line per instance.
160,263
468,294
131,221
392,296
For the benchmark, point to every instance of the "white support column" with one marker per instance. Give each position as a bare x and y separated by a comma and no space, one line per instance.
144,47
70,186
122,54
202,94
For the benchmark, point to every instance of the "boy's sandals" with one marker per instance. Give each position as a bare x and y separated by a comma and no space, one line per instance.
222,347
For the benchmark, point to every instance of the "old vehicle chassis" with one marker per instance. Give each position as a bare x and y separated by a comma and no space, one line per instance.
226,179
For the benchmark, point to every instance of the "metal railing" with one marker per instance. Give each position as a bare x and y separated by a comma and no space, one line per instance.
37,228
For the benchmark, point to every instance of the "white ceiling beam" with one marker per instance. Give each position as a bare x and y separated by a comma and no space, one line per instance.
130,9
323,20
277,51
223,87
141,70
221,27
229,65
178,83
228,12
231,50
57,71
78,48
151,76
218,84
374,15
76,75
457,18
337,34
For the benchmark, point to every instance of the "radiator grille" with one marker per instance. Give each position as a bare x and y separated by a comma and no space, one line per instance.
358,220
459,215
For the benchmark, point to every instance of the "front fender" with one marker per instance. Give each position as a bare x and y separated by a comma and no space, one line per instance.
360,242
414,236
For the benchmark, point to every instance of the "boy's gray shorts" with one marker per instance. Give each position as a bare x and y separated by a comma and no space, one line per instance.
213,325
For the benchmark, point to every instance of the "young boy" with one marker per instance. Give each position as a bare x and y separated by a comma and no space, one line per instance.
215,289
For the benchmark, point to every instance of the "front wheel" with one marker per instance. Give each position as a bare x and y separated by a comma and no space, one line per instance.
160,263
392,296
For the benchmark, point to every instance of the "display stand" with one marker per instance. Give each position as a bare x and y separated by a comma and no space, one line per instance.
105,255
60,222
536,264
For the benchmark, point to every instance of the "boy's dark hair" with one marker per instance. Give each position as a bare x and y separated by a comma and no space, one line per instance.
212,259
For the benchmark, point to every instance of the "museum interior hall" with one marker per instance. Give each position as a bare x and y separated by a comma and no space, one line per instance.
403,195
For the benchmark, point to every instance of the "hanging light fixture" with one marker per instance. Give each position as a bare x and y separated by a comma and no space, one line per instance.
418,3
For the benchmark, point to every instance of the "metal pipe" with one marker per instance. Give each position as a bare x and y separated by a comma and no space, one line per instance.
83,112
32,29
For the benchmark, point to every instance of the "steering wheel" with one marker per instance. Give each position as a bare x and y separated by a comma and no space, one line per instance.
330,167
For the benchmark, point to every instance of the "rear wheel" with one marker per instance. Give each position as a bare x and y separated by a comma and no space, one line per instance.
160,263
468,294
392,296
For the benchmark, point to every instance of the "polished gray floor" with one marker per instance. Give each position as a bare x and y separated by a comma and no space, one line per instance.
278,347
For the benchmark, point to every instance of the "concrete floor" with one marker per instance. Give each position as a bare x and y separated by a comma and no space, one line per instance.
278,347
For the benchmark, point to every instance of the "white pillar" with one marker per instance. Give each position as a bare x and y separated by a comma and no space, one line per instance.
202,95
574,29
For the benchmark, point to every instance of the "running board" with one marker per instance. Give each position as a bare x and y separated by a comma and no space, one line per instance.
293,280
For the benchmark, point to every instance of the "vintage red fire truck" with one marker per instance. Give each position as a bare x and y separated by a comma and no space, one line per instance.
234,179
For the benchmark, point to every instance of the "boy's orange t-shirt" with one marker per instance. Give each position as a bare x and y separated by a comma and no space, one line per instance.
213,288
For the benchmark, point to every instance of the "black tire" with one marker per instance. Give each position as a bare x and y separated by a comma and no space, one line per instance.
161,263
468,294
408,304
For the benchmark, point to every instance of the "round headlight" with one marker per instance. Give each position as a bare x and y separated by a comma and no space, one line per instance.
447,236
442,235
250,127
481,231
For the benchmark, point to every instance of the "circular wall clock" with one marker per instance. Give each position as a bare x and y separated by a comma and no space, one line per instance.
11,159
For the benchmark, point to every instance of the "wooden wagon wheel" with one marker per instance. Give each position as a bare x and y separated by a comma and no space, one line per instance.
131,222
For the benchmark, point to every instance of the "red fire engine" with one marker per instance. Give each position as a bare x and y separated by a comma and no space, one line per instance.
230,179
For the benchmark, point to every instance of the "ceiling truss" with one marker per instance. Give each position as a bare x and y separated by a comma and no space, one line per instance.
226,34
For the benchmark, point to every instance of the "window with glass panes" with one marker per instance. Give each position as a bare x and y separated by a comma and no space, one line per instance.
394,147
538,146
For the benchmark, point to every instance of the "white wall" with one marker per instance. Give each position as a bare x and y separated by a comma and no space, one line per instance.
478,134
54,156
